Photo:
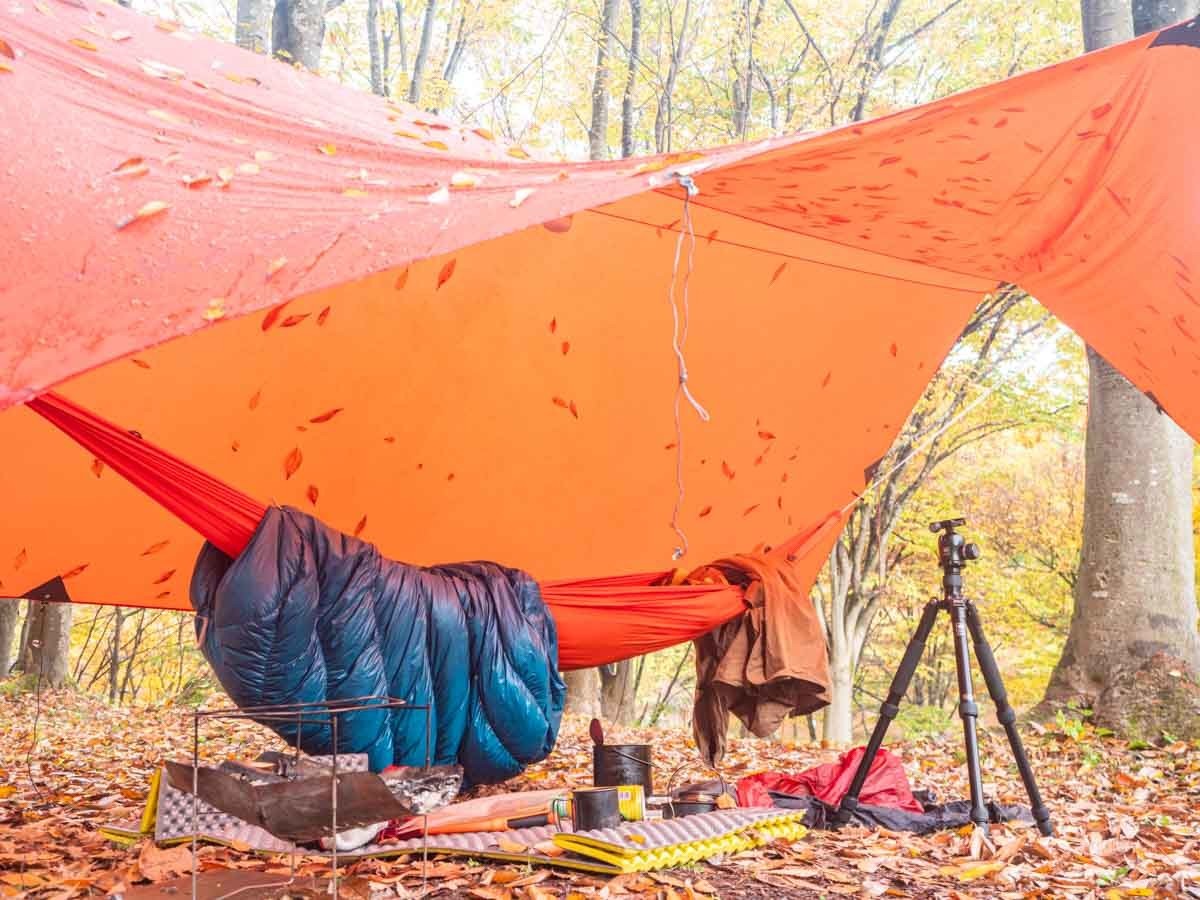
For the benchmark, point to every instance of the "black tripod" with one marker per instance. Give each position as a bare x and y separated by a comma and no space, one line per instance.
953,553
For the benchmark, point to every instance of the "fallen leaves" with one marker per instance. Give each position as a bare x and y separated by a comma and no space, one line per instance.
292,462
147,211
161,865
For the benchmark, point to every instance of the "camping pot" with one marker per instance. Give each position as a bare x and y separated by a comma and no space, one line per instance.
616,764
689,803
593,809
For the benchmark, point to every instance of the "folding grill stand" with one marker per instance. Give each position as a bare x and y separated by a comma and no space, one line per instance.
952,556
328,712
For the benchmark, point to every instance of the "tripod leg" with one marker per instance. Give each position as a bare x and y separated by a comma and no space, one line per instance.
1008,718
887,711
969,712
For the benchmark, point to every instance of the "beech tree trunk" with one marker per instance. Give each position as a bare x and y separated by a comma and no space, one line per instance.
374,48
583,692
635,49
605,45
1135,595
9,611
422,60
298,32
254,25
46,646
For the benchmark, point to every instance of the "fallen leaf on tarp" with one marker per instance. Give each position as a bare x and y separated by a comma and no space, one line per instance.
520,196
508,846
153,208
131,167
161,865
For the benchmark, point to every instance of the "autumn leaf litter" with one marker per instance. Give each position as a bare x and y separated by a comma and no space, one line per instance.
1127,818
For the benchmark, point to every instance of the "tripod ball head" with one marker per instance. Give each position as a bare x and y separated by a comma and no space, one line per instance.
953,550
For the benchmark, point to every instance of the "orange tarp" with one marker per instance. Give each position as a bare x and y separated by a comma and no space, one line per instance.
427,339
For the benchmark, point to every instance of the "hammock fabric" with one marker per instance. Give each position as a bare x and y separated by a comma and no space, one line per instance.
428,340
640,614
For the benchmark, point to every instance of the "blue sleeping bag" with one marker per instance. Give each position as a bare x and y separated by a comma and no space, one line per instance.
308,614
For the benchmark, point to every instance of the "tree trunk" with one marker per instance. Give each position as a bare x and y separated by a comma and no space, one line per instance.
422,60
47,644
605,45
1151,15
583,692
114,655
401,41
664,111
617,700
635,49
298,31
254,25
374,50
838,724
9,611
1135,593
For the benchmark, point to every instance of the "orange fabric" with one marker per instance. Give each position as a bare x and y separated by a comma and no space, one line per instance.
640,613
307,311
220,514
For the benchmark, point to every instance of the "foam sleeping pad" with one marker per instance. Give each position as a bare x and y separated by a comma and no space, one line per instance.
308,614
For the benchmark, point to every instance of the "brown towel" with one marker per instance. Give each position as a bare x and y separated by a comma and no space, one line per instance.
767,664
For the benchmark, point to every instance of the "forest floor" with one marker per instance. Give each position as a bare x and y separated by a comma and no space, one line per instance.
1127,818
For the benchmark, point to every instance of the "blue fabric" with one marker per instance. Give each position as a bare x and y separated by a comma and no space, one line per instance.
307,614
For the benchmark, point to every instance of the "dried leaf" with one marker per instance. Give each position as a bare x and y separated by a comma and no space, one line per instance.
97,467
327,149
517,153
215,310
162,865
435,145
322,316
140,363
164,116
312,493
199,179
155,548
119,36
248,168
153,208
264,156
292,462
361,526
325,416
83,44
275,265
727,469
354,192
164,577
463,180
6,49
293,321
447,272
131,168
520,196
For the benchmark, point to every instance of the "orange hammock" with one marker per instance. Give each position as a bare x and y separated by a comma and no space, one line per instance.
599,620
